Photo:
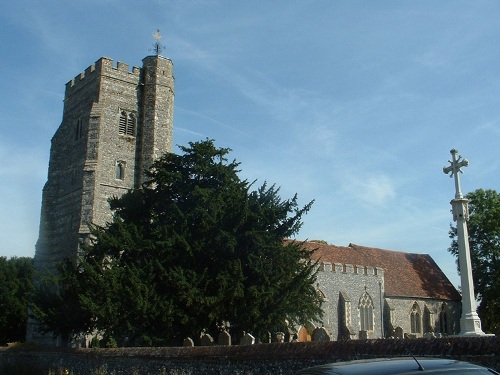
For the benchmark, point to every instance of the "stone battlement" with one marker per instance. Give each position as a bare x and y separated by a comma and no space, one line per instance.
350,269
104,66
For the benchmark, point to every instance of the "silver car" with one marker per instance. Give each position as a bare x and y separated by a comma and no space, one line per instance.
405,365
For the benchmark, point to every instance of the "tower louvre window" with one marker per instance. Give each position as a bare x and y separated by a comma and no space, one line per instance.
123,123
127,123
131,124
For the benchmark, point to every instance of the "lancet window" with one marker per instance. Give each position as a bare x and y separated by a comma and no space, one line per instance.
366,312
443,319
120,170
415,319
79,129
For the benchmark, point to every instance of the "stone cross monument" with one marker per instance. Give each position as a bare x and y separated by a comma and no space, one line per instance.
470,324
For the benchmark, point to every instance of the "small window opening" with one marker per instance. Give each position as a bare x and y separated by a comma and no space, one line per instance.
120,170
79,129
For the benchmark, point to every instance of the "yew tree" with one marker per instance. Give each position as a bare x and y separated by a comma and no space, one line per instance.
484,242
16,287
194,247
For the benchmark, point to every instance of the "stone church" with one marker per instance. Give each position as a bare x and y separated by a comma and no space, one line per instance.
375,293
117,120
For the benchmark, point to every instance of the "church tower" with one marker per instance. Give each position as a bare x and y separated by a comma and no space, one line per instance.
116,122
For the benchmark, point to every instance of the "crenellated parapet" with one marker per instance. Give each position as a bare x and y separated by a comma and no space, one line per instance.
104,67
340,268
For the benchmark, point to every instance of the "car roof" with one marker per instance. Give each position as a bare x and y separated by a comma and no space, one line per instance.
395,366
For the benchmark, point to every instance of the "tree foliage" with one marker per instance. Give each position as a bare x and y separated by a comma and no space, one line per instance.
57,302
16,287
195,247
484,241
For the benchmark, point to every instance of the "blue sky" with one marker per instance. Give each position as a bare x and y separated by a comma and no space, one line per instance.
355,104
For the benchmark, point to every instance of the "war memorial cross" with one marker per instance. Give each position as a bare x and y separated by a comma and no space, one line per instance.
470,324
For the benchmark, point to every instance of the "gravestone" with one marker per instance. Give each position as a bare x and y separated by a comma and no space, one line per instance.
188,342
206,340
398,333
224,338
279,337
247,339
363,335
429,335
320,334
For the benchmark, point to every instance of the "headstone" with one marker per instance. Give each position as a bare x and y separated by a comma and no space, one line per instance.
247,339
224,338
429,335
206,340
279,337
398,333
188,342
363,335
320,334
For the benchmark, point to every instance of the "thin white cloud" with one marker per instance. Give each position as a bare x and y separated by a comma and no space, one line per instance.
184,130
213,121
492,127
370,189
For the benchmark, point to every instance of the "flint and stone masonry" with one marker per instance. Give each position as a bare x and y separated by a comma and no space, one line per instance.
116,122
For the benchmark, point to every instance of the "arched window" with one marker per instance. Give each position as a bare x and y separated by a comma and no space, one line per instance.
443,319
415,319
320,294
428,323
120,170
366,312
127,123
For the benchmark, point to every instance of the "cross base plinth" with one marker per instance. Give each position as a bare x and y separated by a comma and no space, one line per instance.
470,325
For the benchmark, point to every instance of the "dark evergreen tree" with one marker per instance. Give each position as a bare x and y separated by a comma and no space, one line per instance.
195,247
484,242
16,287
58,302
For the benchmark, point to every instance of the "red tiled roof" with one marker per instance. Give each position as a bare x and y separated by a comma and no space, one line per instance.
405,274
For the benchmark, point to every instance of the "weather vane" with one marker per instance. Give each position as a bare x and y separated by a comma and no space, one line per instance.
157,46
